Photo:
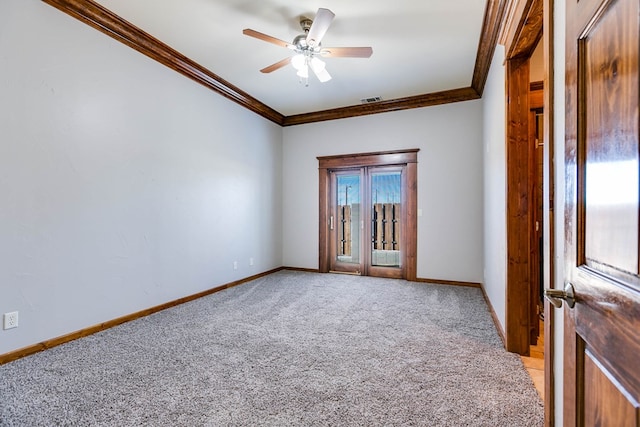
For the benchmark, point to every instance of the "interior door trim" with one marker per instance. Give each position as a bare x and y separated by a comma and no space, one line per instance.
407,158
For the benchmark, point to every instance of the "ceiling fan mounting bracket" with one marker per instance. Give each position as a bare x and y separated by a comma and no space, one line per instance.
305,24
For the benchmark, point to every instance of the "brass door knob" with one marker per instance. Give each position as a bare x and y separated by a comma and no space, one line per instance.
556,296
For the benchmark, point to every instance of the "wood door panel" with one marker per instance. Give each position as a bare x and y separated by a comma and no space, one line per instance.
608,320
609,61
606,403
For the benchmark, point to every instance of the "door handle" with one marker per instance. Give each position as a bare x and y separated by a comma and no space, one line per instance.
556,296
331,222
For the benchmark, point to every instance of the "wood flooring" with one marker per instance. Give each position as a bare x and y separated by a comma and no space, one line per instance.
535,362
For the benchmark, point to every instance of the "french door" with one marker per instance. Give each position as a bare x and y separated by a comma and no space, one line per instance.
368,215
366,221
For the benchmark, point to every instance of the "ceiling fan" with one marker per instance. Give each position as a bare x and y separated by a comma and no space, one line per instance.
308,48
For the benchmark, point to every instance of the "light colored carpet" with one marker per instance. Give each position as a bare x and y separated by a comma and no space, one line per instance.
291,348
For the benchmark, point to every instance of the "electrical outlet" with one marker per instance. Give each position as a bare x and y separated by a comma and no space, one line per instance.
10,320
235,265
250,261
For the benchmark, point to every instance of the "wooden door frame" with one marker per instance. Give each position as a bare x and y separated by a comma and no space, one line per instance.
519,206
521,32
536,106
408,158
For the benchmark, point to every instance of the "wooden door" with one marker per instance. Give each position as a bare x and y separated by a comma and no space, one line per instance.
386,218
602,331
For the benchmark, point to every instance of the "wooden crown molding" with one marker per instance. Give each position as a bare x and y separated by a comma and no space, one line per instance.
418,101
492,23
105,21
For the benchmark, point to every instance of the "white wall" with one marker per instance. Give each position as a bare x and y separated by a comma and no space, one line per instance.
495,185
449,182
123,184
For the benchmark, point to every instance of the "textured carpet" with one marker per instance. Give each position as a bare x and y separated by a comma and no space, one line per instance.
290,348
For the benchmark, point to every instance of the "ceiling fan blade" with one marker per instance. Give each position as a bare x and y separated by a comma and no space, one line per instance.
346,52
261,36
319,27
276,66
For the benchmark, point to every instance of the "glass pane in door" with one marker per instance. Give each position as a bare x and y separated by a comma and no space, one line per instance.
348,218
386,204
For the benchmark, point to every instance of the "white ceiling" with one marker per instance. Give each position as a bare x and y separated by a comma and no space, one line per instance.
419,46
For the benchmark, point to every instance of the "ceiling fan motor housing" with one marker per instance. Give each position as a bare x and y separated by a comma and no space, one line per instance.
300,41
301,45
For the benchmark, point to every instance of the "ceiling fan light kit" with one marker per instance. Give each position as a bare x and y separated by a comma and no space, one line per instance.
308,47
302,62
